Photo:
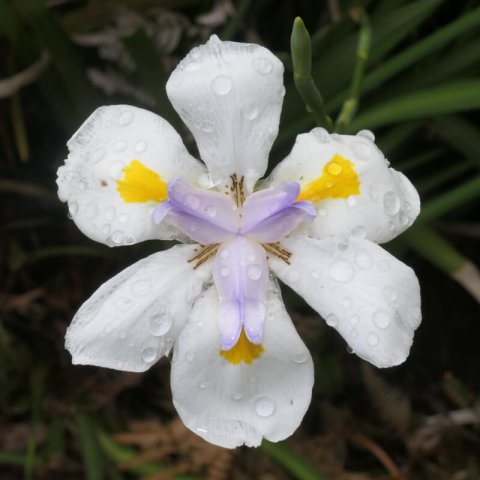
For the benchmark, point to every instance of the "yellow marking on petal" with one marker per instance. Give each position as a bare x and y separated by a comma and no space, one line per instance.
338,180
243,351
140,184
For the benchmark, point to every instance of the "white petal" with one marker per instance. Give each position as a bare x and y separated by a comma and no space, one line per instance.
387,204
231,405
107,141
371,298
133,319
230,96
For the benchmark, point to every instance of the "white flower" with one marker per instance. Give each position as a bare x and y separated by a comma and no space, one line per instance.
240,371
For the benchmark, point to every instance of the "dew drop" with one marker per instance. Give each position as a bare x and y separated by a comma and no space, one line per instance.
264,407
372,339
98,155
342,247
73,208
225,272
250,113
202,386
366,134
363,150
351,201
159,324
117,237
374,191
141,146
192,201
332,320
211,211
189,356
110,213
106,229
149,355
254,272
404,219
354,319
123,218
350,349
363,260
237,396
263,65
300,357
322,212
341,271
125,118
122,334
207,127
389,293
359,232
407,206
334,168
129,240
251,257
82,185
193,66
222,85
224,253
381,319
391,203
141,287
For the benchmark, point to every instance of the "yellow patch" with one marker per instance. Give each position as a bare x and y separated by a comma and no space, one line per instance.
338,180
140,184
243,351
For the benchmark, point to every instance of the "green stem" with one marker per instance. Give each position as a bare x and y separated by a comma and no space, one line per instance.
231,27
301,49
294,464
89,445
350,105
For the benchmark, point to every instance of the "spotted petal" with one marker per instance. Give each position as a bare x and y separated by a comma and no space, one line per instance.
119,163
230,96
349,181
371,298
133,319
235,404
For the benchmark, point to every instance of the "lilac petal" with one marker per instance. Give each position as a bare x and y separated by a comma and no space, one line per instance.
240,273
212,207
196,228
161,212
262,204
274,228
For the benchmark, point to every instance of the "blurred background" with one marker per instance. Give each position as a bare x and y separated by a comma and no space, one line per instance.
420,93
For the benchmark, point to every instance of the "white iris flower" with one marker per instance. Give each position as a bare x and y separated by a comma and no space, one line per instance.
240,372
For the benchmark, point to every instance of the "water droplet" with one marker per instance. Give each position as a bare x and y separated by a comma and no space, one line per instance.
141,146
322,212
189,356
106,229
372,339
381,319
110,213
116,170
141,287
202,386
264,407
222,84
225,272
342,247
73,208
207,127
300,357
374,192
237,396
366,134
350,349
334,168
354,319
117,237
193,66
391,203
122,334
320,134
329,185
129,240
363,150
125,118
192,201
159,324
404,219
389,293
225,253
293,275
98,155
359,232
123,218
251,257
82,185
263,65
341,271
120,146
211,211
254,272
351,201
332,320
91,211
149,355
363,260
407,206
250,113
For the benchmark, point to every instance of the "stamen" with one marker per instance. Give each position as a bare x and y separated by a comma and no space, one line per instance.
237,189
277,250
205,254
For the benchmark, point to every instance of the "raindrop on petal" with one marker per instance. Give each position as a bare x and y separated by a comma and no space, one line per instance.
264,407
